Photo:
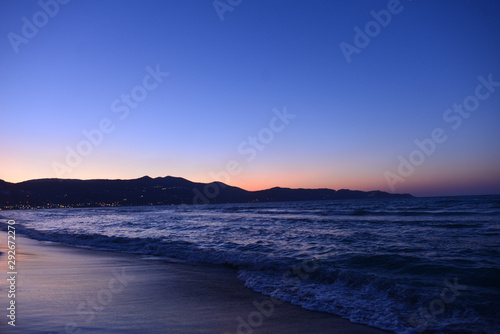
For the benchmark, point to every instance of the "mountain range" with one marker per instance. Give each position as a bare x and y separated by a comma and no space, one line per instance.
43,193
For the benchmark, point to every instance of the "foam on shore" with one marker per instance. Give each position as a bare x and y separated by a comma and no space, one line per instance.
62,289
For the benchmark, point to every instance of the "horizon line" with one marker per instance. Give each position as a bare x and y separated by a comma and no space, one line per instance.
180,177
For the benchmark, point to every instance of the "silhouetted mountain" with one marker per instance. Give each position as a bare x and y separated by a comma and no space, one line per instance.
157,191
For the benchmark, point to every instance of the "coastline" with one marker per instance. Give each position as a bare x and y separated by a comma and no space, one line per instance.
62,289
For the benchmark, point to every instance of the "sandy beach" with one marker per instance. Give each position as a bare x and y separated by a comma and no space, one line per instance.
61,289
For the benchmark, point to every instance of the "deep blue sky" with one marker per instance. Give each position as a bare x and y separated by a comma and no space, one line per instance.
353,121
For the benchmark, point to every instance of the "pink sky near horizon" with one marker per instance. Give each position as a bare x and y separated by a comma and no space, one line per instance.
419,184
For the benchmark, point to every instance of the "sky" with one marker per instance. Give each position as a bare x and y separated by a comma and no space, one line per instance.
400,96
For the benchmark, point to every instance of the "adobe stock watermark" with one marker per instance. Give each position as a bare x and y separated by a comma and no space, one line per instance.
121,107
30,28
372,29
248,148
425,316
222,6
266,307
454,118
103,298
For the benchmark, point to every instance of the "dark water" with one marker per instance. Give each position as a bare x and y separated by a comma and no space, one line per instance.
413,265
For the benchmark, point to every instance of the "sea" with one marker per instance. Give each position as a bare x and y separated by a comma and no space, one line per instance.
416,265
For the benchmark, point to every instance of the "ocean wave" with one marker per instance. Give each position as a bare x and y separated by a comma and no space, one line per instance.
373,262
161,246
314,284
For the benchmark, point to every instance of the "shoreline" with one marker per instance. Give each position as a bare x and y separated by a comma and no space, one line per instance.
64,289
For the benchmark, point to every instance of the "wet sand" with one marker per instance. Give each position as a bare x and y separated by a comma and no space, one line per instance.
62,289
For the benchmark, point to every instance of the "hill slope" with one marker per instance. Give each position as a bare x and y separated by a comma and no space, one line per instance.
157,191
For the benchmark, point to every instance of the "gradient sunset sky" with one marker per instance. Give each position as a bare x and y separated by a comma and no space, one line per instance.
235,70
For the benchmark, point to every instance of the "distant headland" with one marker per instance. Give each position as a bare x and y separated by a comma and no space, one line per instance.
55,193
